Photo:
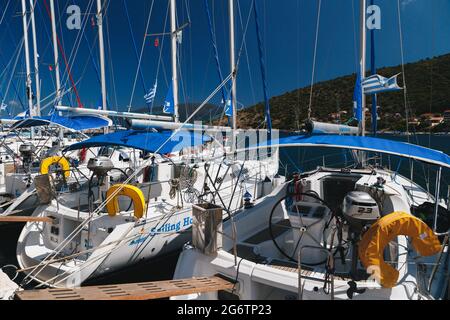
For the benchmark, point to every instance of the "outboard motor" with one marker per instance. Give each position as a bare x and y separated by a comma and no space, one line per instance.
360,211
26,152
100,166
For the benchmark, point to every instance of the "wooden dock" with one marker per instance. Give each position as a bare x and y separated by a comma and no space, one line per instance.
25,219
135,291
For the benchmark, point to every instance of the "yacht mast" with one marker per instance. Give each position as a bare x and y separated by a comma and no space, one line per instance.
363,44
36,60
233,71
27,59
56,58
102,51
55,53
102,55
174,39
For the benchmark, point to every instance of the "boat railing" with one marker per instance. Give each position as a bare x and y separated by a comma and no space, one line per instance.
448,197
436,266
329,268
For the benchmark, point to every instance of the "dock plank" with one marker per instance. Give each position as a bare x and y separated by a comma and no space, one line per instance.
25,219
134,291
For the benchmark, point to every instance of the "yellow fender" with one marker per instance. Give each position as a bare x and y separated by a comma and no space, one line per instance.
132,192
373,242
46,163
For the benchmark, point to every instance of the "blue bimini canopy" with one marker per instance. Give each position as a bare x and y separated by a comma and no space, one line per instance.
75,123
397,148
161,142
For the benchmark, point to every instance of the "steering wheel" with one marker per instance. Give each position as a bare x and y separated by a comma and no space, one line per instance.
275,226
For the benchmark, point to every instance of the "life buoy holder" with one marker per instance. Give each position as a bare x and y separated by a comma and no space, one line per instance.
63,162
373,242
132,192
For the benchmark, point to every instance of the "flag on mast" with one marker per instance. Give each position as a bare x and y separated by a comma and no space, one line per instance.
376,84
150,96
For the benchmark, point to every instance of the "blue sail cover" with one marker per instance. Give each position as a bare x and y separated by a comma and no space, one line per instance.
371,144
76,122
160,142
169,104
357,98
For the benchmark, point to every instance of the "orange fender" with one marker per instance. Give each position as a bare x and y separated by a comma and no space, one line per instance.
373,242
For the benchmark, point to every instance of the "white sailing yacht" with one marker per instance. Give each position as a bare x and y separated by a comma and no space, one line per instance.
313,237
345,233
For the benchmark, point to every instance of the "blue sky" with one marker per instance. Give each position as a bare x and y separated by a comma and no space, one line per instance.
288,30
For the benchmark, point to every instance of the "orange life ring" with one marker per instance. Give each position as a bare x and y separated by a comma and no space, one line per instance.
373,242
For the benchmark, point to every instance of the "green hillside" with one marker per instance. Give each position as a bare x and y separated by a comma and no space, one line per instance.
428,90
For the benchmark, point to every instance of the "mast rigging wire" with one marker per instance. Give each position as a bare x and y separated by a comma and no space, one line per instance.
135,50
65,59
314,61
405,93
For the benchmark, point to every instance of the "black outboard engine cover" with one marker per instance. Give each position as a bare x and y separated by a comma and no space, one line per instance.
26,151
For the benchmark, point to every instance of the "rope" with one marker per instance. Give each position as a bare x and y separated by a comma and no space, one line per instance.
246,54
111,64
212,34
405,94
174,188
139,58
13,70
4,11
314,60
6,67
77,45
74,87
262,67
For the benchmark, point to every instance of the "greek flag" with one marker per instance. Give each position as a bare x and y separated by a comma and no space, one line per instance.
149,97
377,84
169,102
